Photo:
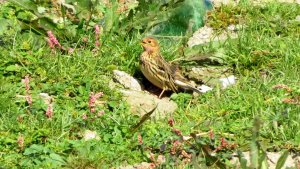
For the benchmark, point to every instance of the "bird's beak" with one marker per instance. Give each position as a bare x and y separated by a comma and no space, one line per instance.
143,43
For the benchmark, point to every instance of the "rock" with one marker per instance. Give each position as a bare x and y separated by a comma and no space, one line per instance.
207,34
272,158
209,75
204,88
143,165
227,81
46,98
218,3
126,80
89,135
297,19
142,102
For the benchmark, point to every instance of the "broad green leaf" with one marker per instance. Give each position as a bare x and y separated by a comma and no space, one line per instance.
57,158
3,25
111,17
13,68
46,24
26,4
243,161
263,164
33,149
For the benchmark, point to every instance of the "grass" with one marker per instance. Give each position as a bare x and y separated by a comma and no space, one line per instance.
265,53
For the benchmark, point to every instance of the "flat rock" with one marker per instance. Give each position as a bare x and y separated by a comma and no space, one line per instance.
255,2
143,165
207,34
142,102
127,81
291,161
211,76
89,135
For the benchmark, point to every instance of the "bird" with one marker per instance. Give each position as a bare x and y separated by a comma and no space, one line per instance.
158,71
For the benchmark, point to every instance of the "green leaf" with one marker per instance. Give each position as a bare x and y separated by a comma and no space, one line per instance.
26,4
33,149
282,159
242,160
263,164
3,25
13,68
57,158
107,137
111,18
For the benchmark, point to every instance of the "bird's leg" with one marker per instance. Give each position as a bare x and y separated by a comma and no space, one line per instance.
162,92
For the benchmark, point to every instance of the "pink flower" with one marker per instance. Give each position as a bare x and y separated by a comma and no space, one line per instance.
177,132
26,81
92,101
52,41
152,165
20,141
171,122
97,33
70,50
211,134
28,97
140,139
49,112
20,119
223,142
97,29
175,146
100,113
84,116
224,145
85,39
51,45
97,43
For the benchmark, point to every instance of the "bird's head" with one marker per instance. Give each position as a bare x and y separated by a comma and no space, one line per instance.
150,45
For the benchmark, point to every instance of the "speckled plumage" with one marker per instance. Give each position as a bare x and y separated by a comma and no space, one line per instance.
158,71
154,67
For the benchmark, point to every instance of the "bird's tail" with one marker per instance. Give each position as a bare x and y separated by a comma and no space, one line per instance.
186,86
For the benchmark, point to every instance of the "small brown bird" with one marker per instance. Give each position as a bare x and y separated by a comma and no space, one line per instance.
158,71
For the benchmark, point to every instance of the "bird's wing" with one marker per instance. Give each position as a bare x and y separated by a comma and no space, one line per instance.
165,73
176,73
180,80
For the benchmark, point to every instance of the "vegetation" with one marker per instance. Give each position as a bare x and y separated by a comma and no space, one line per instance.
51,91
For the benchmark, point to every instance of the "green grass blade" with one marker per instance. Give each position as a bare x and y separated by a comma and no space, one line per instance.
282,159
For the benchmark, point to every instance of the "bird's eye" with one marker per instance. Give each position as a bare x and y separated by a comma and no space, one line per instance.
149,41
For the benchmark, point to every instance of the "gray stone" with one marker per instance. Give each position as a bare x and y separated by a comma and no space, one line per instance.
126,80
143,102
143,165
89,135
207,34
272,159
